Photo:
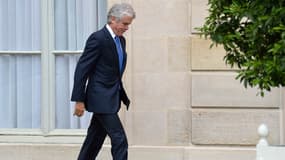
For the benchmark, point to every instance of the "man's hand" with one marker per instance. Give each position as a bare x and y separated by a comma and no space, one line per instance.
79,109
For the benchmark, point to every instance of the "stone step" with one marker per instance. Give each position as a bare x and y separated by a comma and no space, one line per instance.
9,151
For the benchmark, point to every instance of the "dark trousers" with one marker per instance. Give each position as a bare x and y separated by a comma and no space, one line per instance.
102,125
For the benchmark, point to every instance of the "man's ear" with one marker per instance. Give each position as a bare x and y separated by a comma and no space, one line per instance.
113,19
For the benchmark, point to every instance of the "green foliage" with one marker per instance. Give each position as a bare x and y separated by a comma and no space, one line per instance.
253,35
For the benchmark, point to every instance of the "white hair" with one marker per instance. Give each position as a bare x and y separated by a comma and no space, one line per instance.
120,10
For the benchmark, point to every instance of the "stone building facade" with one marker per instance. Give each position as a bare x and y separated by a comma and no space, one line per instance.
186,103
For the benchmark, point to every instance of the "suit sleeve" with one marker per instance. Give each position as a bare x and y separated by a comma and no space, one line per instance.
123,93
86,63
125,98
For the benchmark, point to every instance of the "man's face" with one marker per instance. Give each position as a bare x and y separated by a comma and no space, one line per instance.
121,26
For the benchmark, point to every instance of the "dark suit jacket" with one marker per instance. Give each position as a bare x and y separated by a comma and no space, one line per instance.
97,79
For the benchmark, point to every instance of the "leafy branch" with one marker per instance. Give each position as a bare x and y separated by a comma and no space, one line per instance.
252,33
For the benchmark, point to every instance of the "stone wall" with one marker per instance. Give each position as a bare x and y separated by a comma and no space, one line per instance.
186,103
182,92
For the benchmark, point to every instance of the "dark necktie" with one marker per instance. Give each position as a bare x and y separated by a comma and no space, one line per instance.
119,51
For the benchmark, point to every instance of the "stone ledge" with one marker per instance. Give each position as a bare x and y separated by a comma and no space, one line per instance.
13,151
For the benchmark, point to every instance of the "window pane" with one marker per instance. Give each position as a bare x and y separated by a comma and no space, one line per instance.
65,66
75,20
20,93
20,25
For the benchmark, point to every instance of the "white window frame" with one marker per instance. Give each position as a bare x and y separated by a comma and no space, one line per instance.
47,133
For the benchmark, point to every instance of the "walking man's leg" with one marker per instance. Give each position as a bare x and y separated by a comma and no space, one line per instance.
115,130
94,140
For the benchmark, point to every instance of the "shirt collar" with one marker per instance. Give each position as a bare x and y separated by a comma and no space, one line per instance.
110,31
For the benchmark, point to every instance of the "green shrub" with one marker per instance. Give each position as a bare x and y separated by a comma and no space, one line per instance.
253,34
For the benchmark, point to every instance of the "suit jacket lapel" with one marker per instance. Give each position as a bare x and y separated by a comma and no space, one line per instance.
124,55
111,43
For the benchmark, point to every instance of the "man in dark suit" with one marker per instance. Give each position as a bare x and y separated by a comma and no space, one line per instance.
98,84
